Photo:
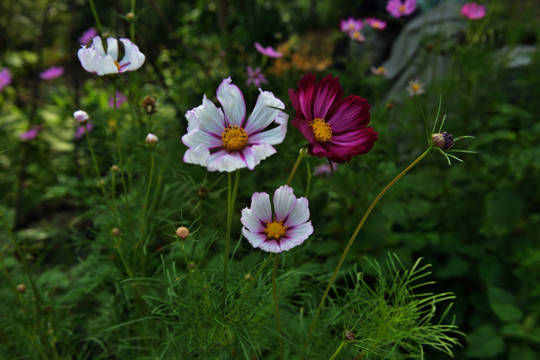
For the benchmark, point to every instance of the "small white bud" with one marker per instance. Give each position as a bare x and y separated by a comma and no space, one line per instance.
151,139
81,117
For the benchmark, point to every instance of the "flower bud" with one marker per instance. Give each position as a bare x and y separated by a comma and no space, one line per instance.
115,231
203,192
130,16
21,288
115,168
182,232
349,335
248,277
443,141
149,104
151,139
81,117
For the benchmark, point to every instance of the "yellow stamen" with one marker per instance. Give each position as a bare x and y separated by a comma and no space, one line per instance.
321,130
234,138
117,64
401,8
275,229
415,87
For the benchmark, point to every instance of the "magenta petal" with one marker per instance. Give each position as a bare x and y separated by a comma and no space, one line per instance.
327,91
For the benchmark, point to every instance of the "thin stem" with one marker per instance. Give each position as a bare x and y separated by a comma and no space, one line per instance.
118,144
145,205
276,304
12,284
338,350
231,197
96,167
118,247
96,17
296,165
132,22
351,241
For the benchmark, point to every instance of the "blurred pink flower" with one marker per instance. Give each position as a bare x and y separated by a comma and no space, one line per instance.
398,8
473,11
5,78
376,23
30,134
268,51
52,73
87,36
350,24
255,77
356,35
79,133
120,99
379,71
325,169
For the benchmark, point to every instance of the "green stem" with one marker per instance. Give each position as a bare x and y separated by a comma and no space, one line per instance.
338,350
351,241
96,167
96,17
12,284
276,304
118,247
132,23
231,197
145,205
118,144
296,165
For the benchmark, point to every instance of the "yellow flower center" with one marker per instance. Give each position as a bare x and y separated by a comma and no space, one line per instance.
321,130
275,229
401,8
234,138
415,87
117,65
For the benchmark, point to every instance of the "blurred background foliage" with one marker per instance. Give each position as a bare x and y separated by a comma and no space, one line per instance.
477,222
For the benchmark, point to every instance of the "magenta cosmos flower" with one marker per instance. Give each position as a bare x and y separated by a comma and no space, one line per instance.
5,78
87,36
222,139
473,11
350,24
398,8
31,133
79,133
95,60
377,24
255,77
52,73
281,230
268,51
336,128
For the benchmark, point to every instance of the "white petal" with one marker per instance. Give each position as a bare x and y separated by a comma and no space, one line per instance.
264,113
287,243
270,246
254,239
232,101
250,221
299,214
133,58
274,136
284,201
249,158
196,137
208,117
197,155
112,48
104,65
86,57
260,206
261,152
300,232
98,45
224,161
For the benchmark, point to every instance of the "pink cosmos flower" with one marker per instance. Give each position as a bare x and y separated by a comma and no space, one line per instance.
52,73
87,36
79,133
325,169
336,128
120,99
95,60
288,226
350,24
81,117
221,139
398,8
376,23
268,51
473,11
31,133
357,36
5,78
255,77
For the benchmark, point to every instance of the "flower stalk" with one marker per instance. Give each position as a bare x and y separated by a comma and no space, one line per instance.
276,304
231,198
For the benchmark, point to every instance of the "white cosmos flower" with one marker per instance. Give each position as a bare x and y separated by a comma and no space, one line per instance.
222,139
287,227
95,60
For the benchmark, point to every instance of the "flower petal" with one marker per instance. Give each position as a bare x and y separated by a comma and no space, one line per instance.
255,239
270,245
194,138
260,206
224,161
197,155
133,58
251,222
207,117
232,101
264,112
352,113
112,48
284,202
327,92
297,234
299,214
104,65
98,45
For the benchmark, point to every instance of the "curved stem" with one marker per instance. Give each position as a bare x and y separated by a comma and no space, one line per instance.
96,17
276,304
351,241
231,197
296,165
96,167
145,205
338,350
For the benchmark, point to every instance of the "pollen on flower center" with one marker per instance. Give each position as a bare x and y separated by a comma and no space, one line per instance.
415,87
401,8
321,130
275,229
117,64
234,138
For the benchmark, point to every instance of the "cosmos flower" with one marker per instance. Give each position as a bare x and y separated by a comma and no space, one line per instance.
415,88
222,139
376,23
268,51
31,133
95,60
5,78
52,73
336,128
398,8
81,117
255,77
379,71
356,36
350,24
473,11
325,169
281,230
79,133
120,99
87,36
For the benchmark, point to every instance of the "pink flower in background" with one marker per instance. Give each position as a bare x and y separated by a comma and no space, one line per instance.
95,60
376,23
473,11
30,134
5,78
268,51
350,24
52,73
281,230
398,8
325,169
87,36
79,133
356,36
255,77
120,99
